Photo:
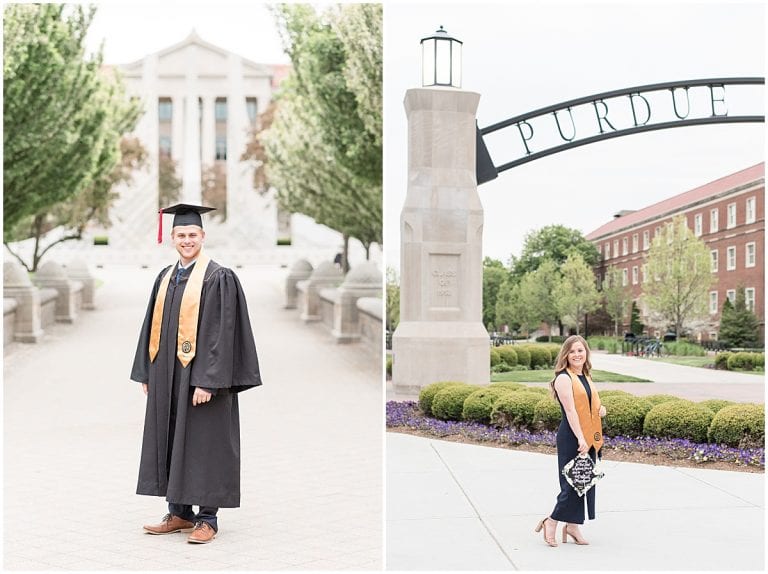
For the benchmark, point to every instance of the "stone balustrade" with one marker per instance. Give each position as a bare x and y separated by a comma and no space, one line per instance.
300,270
78,270
325,275
370,317
363,280
69,300
26,315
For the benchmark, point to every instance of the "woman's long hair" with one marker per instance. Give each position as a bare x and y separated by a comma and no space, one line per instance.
561,362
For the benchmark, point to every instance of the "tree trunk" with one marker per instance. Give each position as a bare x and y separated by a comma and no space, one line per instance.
345,254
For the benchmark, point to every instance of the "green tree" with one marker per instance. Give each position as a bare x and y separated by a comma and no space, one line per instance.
506,298
576,293
494,275
554,242
393,300
63,123
214,189
168,182
635,325
323,158
739,326
615,297
679,276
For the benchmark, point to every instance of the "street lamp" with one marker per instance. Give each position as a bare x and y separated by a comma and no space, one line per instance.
441,60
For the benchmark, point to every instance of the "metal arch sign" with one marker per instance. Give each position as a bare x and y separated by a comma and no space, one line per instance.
618,113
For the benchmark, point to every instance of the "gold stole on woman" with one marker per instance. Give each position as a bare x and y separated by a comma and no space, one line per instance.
589,419
188,314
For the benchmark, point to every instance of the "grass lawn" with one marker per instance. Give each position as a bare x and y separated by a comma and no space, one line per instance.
546,376
686,361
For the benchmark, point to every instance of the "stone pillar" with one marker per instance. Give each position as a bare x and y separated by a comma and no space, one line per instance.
363,280
78,270
325,275
191,191
300,270
208,131
177,132
441,336
16,285
52,275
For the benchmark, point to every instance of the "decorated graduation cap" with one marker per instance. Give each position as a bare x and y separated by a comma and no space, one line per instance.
183,214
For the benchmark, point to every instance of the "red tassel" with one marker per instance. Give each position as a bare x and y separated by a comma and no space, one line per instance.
160,227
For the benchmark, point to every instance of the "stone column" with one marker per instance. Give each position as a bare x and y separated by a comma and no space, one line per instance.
441,336
208,131
177,132
191,190
17,285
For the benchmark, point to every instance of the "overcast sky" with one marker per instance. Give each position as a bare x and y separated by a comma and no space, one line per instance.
522,57
132,30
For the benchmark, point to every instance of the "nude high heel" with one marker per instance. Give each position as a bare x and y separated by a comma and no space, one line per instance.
540,526
567,533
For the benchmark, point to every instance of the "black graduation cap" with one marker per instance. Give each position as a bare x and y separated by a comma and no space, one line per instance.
183,214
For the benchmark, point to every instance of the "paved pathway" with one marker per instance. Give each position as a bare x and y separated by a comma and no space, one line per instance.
311,447
453,506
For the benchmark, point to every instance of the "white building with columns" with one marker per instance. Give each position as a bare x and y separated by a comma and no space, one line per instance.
200,103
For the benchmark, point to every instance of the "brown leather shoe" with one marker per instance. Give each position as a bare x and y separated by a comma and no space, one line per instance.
202,534
169,525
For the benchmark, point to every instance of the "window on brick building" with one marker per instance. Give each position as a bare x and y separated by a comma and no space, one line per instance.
714,216
749,298
624,246
657,231
607,249
750,210
731,216
714,257
730,294
731,258
749,256
644,270
635,245
624,277
634,275
713,302
646,240
615,247
697,225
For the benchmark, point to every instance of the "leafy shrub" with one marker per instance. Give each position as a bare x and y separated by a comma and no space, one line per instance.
427,394
508,355
495,357
612,346
540,357
515,409
759,360
614,393
546,339
508,385
716,405
389,365
101,240
478,405
684,349
678,419
539,390
523,356
547,414
625,415
661,398
502,368
721,360
448,403
741,361
739,425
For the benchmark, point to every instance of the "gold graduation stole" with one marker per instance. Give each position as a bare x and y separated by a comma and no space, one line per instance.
589,419
188,314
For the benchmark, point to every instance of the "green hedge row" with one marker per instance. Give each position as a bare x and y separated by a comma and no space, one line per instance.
662,416
531,356
740,361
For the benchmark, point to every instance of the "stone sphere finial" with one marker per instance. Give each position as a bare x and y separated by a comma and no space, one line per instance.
326,269
51,270
14,275
302,266
364,275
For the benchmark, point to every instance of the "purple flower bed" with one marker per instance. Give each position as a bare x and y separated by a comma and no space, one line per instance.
407,414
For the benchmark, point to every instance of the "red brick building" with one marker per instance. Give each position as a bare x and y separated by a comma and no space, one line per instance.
728,214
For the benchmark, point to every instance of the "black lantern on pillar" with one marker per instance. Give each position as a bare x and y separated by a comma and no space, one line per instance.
441,60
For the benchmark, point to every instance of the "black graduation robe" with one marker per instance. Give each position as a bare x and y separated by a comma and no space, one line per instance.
191,455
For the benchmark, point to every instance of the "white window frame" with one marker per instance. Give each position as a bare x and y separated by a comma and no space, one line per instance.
714,258
698,227
713,302
634,275
624,277
615,247
751,210
646,240
749,298
730,258
747,262
730,294
607,249
635,243
730,211
714,220
625,246
657,231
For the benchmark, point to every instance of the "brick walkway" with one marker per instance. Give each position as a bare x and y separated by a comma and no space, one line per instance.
311,447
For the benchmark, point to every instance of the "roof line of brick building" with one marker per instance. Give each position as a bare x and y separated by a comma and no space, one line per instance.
670,205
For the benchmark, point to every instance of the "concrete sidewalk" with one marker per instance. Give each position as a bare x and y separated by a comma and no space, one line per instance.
311,446
453,506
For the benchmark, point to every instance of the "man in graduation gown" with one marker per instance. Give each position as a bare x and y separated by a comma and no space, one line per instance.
195,354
